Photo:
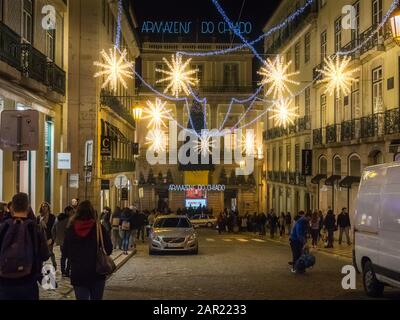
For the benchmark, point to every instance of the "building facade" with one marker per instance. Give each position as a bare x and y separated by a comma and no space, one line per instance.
348,132
100,122
33,67
221,78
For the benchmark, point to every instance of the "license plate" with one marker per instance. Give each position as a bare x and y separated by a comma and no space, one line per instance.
173,245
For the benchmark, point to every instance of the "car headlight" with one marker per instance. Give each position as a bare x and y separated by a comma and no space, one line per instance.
192,237
155,237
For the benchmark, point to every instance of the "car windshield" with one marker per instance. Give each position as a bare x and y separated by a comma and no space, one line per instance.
172,223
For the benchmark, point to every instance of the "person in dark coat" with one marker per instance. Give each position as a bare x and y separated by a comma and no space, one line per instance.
273,224
330,226
81,247
59,229
142,222
344,225
105,219
288,222
125,227
46,219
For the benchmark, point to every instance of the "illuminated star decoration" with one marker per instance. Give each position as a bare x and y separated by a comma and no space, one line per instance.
205,144
336,76
276,75
248,143
283,113
157,113
115,68
179,77
156,140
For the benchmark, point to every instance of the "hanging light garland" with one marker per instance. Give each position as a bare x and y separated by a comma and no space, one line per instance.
275,75
283,114
157,113
115,68
337,76
178,76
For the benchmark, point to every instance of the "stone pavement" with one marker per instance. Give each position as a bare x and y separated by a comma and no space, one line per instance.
65,290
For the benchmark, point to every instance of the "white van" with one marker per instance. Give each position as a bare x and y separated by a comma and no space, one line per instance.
377,228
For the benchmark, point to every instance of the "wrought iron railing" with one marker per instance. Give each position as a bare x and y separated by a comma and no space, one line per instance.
332,134
373,125
117,104
301,125
34,63
56,78
317,137
392,121
117,166
10,47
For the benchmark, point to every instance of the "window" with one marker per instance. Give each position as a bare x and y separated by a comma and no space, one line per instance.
288,56
356,32
377,90
338,108
273,158
50,44
288,157
27,21
376,12
1,10
307,102
337,166
297,103
355,100
281,166
354,166
159,75
231,75
323,111
297,158
323,45
307,47
338,34
103,11
297,56
323,165
199,73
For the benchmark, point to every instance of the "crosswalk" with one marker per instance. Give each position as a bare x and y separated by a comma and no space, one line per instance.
242,240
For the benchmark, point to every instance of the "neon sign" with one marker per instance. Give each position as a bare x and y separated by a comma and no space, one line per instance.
186,27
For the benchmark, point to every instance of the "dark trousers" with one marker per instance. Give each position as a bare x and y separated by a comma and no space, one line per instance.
315,236
140,233
272,231
28,291
297,248
93,292
65,268
330,238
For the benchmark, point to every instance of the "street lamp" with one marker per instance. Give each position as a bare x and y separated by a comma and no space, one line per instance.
395,25
137,116
137,113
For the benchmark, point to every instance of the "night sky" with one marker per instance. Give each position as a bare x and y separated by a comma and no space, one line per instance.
255,11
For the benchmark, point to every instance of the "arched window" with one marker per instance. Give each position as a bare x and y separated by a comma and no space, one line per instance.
323,165
375,157
337,166
354,166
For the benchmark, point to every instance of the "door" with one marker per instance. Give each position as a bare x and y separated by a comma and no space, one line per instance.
48,159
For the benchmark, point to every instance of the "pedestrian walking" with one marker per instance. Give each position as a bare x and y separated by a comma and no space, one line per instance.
59,230
46,219
298,239
315,224
273,224
321,223
344,225
142,222
125,229
282,223
243,223
115,221
135,226
23,250
81,248
288,222
330,226
105,220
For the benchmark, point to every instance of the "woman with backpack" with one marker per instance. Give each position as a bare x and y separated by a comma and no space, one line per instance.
81,246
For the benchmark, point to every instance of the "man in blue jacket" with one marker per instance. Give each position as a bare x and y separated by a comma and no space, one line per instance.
298,237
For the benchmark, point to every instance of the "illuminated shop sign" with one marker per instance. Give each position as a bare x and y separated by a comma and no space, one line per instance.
189,187
186,27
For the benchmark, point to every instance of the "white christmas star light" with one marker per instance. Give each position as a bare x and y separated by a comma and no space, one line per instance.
276,76
205,144
178,76
115,68
283,113
156,139
248,143
337,76
157,113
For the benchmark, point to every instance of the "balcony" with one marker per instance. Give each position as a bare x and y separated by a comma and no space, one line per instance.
373,125
118,104
10,47
318,137
289,178
34,63
301,125
56,78
350,130
392,121
333,134
117,166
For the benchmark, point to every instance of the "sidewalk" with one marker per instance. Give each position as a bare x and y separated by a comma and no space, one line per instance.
65,290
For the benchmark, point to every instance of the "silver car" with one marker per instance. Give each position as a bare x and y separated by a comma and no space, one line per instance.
173,234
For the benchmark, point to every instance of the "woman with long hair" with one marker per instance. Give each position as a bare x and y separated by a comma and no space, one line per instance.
81,247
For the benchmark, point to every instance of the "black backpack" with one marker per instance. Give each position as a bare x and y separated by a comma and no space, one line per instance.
17,252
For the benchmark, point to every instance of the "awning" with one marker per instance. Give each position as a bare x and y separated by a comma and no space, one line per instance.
349,181
332,179
317,179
